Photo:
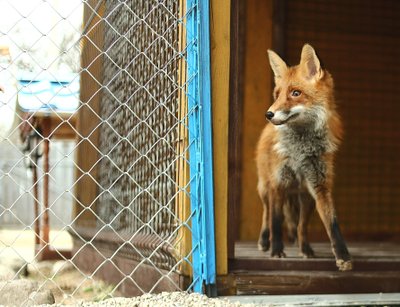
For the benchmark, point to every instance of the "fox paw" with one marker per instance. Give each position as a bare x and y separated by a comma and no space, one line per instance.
263,241
306,251
278,254
263,246
344,265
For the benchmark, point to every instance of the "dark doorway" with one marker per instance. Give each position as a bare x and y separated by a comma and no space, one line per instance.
358,42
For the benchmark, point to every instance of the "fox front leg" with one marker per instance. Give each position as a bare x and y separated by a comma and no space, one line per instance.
319,177
307,207
263,240
326,211
275,221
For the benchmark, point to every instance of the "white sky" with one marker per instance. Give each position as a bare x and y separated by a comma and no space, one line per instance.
39,26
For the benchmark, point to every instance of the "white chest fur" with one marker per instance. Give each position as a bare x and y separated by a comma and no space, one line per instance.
302,149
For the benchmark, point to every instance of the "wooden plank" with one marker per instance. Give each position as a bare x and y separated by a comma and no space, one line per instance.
257,96
226,285
146,277
220,57
269,264
183,240
300,282
88,121
248,249
303,282
366,257
279,27
235,121
349,39
62,124
144,242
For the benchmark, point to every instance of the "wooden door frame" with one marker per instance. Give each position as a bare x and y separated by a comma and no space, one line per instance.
237,52
235,121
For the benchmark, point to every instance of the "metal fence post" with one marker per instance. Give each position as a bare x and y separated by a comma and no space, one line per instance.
201,157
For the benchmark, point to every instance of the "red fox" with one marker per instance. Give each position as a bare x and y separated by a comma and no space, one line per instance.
295,156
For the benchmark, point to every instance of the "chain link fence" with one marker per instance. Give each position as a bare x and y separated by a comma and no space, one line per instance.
100,147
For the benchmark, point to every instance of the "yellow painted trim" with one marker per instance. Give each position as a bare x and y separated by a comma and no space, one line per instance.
220,54
183,241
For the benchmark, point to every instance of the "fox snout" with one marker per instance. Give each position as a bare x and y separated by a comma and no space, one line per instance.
269,115
276,118
280,117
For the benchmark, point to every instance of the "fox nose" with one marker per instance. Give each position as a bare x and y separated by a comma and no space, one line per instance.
269,115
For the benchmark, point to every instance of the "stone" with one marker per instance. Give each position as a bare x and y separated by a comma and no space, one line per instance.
40,268
23,292
62,266
18,265
41,297
6,273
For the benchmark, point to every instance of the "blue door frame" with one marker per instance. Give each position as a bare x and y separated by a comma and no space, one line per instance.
200,142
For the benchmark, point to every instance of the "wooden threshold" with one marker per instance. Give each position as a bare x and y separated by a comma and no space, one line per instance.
373,256
376,270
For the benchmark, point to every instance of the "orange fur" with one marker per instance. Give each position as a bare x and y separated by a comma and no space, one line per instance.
295,154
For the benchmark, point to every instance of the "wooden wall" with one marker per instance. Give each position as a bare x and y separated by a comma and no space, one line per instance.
220,55
88,119
257,83
358,42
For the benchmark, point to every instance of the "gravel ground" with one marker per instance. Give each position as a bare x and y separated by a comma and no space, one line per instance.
182,299
164,299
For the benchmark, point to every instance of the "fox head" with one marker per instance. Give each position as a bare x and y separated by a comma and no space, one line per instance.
303,94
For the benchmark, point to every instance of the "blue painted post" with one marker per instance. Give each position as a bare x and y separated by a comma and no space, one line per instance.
208,234
200,142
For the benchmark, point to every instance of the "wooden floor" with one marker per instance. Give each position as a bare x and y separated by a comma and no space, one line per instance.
366,257
376,269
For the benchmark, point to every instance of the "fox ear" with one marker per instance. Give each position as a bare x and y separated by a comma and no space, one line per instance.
277,64
310,64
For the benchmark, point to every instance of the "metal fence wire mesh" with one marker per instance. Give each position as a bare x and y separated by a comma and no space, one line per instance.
147,118
95,147
140,107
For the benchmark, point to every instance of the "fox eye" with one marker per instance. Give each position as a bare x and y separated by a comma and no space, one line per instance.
295,93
